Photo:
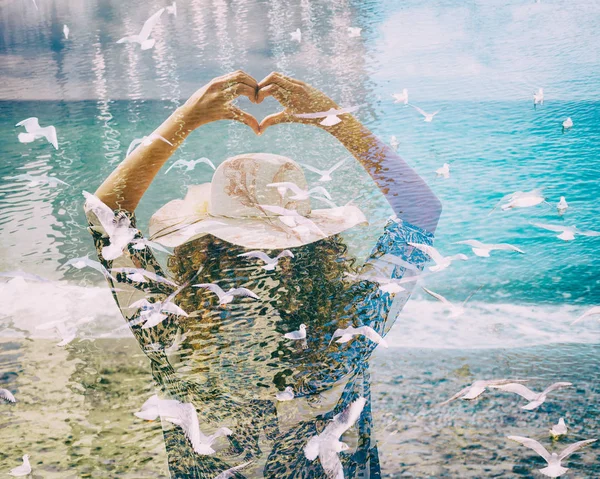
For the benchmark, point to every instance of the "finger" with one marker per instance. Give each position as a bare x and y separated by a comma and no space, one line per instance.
280,94
239,76
240,115
277,79
238,89
274,119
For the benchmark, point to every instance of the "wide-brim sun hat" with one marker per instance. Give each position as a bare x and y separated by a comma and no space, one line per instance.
239,207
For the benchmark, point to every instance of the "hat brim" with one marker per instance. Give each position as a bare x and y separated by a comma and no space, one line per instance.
273,232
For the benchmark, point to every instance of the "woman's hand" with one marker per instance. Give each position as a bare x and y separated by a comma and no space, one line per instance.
296,97
213,101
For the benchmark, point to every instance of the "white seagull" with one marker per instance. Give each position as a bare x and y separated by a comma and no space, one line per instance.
270,263
286,395
146,141
296,36
190,165
568,123
35,131
172,9
394,143
562,206
330,117
116,227
142,243
401,97
428,116
143,38
535,399
299,335
300,225
325,174
66,31
7,396
477,388
595,310
38,180
521,199
554,468
455,311
483,249
140,275
538,98
346,334
185,416
443,171
226,297
154,313
299,193
24,469
327,445
559,429
441,262
354,32
567,233
84,261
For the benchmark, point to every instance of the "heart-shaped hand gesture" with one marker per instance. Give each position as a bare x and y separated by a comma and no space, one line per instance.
214,101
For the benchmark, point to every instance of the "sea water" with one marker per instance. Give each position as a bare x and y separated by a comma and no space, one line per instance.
478,62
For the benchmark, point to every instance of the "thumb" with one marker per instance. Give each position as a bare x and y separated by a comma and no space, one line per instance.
274,119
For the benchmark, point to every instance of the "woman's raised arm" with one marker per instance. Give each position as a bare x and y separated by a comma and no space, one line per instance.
407,193
126,185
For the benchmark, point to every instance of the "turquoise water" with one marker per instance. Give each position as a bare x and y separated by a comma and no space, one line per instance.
480,62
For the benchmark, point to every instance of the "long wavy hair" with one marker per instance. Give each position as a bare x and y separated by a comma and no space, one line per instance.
312,288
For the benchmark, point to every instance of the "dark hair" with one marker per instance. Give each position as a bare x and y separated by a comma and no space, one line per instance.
312,289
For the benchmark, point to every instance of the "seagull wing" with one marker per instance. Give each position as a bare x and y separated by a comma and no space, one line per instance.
257,254
311,450
419,110
156,136
134,144
532,444
50,133
7,395
342,111
215,288
370,333
555,386
206,161
314,170
185,416
149,25
243,292
346,419
141,303
330,462
105,215
519,389
172,308
459,394
429,251
437,296
289,186
336,166
557,228
587,232
473,243
590,312
319,114
177,163
320,189
574,447
507,247
31,124
285,253
329,203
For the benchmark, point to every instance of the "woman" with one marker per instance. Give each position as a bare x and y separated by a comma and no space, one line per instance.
229,356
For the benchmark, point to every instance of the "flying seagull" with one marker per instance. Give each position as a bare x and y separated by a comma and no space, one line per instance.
554,460
270,263
154,313
428,116
143,38
35,131
455,311
299,193
477,388
146,141
226,297
296,36
325,174
327,445
190,165
401,97
483,249
567,233
441,262
346,334
140,275
330,117
535,399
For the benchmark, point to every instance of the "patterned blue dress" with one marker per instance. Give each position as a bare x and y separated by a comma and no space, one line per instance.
229,362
